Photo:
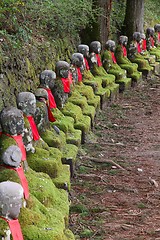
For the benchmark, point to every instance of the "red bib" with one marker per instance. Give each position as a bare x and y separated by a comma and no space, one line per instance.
66,85
144,44
86,63
15,228
99,63
139,48
50,115
124,51
79,74
52,103
158,36
33,128
113,57
20,144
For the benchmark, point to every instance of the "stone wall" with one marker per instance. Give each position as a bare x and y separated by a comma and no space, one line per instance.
20,67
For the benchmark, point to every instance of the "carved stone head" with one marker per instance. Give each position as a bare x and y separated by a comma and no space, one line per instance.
46,78
11,196
62,69
137,36
12,121
123,40
110,45
78,60
41,93
143,36
95,47
150,32
157,28
12,156
26,101
84,49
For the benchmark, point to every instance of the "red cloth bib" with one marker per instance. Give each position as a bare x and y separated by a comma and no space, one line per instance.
139,48
20,144
86,64
79,74
23,180
52,103
66,85
158,36
152,41
50,115
113,57
34,129
15,228
144,44
99,63
124,51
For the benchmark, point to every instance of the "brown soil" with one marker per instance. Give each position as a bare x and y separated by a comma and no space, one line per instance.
120,200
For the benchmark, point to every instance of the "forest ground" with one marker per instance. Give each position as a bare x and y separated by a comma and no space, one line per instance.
116,190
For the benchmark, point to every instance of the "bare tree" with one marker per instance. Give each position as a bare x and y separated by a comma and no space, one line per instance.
134,18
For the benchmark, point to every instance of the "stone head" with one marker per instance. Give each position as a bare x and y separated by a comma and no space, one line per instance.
110,45
157,28
41,93
11,198
95,47
137,36
62,69
77,60
12,121
12,156
26,101
123,40
84,49
47,77
150,32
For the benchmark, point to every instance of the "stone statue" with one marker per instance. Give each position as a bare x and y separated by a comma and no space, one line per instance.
110,65
151,43
64,123
11,197
12,122
124,62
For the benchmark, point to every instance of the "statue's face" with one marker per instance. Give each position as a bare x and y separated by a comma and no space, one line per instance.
11,195
12,156
26,101
12,121
64,73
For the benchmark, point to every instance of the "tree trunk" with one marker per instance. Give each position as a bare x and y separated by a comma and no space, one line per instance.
134,17
99,30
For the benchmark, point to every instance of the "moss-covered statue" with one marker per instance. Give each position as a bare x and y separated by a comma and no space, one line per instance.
96,68
151,58
12,123
11,197
124,62
157,35
135,56
110,65
94,81
77,68
82,95
53,137
47,205
81,121
151,43
65,123
40,156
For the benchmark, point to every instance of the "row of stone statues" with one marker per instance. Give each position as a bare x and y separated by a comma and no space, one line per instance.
40,137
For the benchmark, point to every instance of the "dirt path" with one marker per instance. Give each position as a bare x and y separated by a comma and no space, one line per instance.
121,201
